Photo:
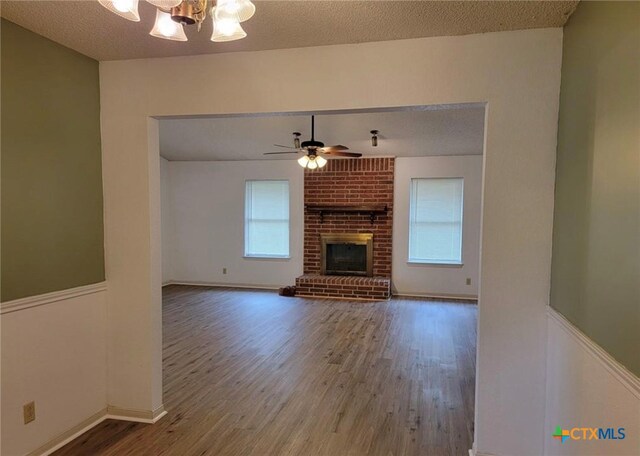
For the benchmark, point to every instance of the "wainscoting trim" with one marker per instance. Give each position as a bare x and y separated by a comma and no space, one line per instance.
619,372
49,298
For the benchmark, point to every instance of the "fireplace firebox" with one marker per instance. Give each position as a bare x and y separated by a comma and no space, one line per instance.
348,254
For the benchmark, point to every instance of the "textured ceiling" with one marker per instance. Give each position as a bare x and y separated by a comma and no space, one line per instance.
90,29
405,133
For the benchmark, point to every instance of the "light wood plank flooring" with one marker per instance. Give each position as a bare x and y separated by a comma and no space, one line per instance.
253,373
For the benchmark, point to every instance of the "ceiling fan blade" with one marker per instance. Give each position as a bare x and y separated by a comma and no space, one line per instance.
338,147
287,152
286,147
338,153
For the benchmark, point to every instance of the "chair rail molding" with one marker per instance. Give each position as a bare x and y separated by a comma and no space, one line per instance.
49,298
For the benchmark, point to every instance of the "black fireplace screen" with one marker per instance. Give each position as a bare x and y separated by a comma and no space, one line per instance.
346,259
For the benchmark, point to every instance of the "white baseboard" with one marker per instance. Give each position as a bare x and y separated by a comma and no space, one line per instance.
73,433
250,286
399,294
109,413
473,451
137,416
48,298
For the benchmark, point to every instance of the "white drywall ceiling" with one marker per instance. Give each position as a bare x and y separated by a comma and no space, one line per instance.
404,133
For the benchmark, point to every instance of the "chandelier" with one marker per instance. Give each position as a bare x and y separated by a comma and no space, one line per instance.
173,15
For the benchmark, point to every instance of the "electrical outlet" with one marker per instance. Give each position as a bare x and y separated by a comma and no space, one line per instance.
29,411
468,280
224,270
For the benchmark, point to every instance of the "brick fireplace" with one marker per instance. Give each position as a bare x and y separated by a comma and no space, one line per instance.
352,198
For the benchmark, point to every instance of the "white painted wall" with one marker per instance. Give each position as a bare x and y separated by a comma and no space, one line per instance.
516,73
586,387
208,202
166,221
56,355
431,279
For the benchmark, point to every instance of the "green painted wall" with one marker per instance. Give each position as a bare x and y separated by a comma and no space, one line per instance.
596,245
51,182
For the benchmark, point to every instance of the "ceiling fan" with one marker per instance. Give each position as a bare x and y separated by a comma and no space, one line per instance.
314,150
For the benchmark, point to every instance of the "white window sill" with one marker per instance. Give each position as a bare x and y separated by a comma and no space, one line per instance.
450,264
266,257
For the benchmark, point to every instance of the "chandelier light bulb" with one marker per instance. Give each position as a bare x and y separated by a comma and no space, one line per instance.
226,26
167,28
166,4
124,8
230,6
122,5
225,29
238,10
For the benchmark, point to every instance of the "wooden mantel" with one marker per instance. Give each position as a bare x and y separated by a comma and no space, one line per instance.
371,209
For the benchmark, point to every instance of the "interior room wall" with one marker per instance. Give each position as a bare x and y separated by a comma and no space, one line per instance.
53,322
593,362
52,226
596,238
432,279
517,75
207,205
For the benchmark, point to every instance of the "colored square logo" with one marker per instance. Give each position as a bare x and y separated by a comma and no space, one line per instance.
561,434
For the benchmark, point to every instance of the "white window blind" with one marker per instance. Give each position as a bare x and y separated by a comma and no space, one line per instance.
435,221
266,222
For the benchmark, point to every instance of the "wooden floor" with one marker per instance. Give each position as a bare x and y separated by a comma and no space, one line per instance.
253,373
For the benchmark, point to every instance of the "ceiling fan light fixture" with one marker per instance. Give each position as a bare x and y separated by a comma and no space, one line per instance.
374,138
123,8
167,28
312,164
321,161
302,161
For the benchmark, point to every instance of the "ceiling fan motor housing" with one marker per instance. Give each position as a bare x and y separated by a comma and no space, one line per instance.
312,144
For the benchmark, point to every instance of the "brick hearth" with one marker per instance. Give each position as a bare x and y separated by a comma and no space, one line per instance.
348,182
343,286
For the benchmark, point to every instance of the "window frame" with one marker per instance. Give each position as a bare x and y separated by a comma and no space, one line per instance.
434,262
262,256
